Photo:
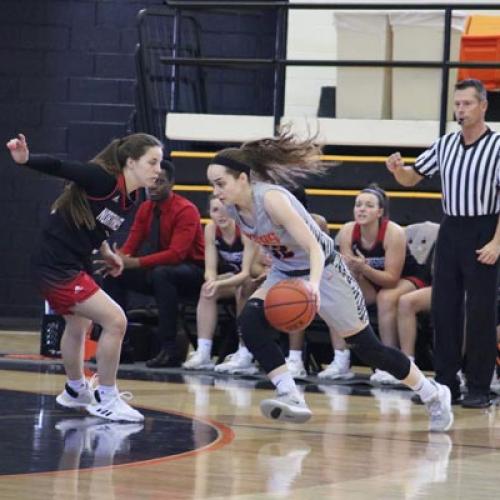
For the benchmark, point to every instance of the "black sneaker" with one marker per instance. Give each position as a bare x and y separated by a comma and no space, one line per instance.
476,401
164,360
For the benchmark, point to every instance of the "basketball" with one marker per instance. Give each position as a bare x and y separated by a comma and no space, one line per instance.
290,306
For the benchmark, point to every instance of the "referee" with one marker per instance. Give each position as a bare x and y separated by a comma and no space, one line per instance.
468,244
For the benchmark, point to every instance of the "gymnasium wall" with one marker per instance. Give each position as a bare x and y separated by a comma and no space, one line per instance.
67,79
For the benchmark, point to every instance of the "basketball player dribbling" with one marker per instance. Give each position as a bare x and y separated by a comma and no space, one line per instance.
246,180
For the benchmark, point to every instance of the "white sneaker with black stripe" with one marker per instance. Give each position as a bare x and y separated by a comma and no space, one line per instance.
287,407
115,409
77,400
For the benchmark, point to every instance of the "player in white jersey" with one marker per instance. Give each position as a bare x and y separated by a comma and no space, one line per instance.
246,180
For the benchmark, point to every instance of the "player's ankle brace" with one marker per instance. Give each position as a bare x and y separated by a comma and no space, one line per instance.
370,350
258,336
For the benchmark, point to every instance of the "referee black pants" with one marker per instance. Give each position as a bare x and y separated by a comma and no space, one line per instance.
461,281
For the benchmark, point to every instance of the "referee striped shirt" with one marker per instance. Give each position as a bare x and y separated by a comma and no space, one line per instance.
470,175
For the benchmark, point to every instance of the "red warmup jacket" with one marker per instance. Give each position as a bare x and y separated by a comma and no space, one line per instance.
181,235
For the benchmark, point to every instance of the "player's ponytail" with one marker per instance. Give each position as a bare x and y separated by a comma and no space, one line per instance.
283,159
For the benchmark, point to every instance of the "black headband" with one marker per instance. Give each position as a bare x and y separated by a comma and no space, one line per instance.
232,164
378,194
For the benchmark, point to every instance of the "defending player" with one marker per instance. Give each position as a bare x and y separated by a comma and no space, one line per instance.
92,206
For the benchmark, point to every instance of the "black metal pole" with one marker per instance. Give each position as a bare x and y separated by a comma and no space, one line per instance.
279,67
234,61
353,5
445,72
174,72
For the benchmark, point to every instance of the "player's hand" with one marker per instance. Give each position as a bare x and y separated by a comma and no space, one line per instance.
109,267
489,253
111,263
209,288
18,148
394,162
314,288
258,280
130,262
355,263
264,259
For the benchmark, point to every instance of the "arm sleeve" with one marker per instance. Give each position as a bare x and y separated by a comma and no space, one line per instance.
427,163
138,232
90,176
184,232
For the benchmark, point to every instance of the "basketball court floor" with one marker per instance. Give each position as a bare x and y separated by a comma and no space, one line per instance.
204,438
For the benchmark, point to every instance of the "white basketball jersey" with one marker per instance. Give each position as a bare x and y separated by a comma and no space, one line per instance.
286,253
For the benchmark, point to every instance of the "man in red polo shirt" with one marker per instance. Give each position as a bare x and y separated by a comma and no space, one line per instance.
174,265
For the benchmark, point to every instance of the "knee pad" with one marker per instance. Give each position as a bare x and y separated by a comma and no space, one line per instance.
257,335
369,349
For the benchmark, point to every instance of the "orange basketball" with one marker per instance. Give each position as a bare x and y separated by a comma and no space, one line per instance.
290,306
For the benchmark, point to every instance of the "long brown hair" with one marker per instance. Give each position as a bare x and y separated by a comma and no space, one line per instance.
280,160
73,203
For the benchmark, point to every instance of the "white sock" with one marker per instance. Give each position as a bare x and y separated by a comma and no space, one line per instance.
77,385
412,359
107,392
295,355
284,383
343,357
424,388
205,347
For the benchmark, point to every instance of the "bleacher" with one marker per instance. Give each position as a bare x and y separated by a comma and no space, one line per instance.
175,96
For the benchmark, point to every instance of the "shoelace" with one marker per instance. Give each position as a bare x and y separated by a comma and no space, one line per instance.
93,382
126,395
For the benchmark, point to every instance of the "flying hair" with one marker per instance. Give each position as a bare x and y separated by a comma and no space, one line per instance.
284,159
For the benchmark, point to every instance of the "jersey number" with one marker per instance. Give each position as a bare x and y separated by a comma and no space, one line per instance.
281,252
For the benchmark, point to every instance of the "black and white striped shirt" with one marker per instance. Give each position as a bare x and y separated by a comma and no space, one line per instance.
470,175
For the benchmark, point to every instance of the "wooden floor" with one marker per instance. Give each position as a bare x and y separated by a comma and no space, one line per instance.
205,438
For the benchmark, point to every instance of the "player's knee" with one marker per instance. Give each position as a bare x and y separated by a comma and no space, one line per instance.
253,324
115,323
407,305
386,299
369,349
257,335
205,297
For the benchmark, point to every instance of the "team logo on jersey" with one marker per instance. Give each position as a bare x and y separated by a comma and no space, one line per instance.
229,257
78,289
109,219
263,239
376,262
116,199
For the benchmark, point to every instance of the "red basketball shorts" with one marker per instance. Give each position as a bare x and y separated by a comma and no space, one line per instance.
63,296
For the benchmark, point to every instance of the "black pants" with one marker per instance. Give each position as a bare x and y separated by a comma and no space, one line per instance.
461,281
167,284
